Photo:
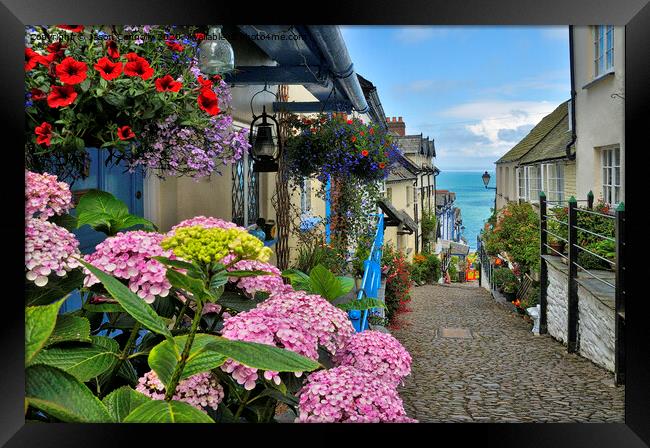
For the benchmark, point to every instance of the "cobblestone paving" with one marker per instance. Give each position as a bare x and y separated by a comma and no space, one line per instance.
504,373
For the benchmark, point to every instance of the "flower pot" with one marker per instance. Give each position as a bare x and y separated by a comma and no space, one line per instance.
557,246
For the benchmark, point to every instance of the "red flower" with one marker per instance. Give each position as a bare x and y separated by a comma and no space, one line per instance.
57,49
37,94
364,152
350,122
43,133
138,67
217,78
47,60
354,139
362,133
108,69
208,102
174,46
112,50
205,83
382,165
73,28
61,96
131,57
71,71
167,84
31,59
125,133
372,131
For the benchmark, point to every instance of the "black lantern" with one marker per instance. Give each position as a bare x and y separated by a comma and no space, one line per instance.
265,143
486,179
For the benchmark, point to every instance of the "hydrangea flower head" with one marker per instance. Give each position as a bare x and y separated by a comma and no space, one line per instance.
204,221
266,327
347,395
48,249
208,245
377,353
128,256
329,324
45,195
201,390
262,283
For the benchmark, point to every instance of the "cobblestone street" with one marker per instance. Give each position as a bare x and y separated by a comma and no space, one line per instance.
498,371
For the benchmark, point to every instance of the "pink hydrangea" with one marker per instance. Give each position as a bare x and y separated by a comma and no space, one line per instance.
204,221
201,390
347,395
48,249
45,195
377,353
263,283
266,327
329,324
128,256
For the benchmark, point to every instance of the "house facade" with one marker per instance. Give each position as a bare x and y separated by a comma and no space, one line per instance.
598,64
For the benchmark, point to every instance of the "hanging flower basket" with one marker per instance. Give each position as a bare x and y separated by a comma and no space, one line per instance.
136,91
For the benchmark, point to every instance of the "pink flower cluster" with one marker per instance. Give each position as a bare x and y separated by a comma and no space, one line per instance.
329,324
348,395
264,283
128,256
266,327
201,390
48,248
205,221
45,195
376,353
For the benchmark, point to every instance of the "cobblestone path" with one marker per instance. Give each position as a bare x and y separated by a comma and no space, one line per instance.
502,373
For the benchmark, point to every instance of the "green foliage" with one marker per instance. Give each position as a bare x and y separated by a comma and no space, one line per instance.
121,402
428,223
425,268
366,303
314,252
157,411
105,213
320,281
398,281
40,322
70,328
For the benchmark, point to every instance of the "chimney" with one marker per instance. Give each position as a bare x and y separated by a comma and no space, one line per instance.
396,126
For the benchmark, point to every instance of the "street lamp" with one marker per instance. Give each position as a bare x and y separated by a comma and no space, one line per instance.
486,181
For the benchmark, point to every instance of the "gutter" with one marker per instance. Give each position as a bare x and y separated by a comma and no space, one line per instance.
573,98
329,41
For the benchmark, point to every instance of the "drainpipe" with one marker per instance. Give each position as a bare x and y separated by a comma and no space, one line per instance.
330,42
569,155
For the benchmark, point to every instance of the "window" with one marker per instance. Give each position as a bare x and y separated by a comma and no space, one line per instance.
611,163
521,183
553,181
603,49
533,182
305,196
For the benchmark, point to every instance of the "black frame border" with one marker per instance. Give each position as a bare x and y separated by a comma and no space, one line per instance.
15,14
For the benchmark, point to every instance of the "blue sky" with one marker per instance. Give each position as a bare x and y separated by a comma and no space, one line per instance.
477,90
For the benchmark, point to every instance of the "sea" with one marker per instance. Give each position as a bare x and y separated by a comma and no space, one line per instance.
474,200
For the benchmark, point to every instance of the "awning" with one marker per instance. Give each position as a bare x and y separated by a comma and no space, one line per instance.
397,218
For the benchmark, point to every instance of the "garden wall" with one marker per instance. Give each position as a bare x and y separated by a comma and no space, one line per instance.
595,315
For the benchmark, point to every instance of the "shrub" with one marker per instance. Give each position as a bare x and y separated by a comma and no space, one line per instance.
425,268
502,277
398,280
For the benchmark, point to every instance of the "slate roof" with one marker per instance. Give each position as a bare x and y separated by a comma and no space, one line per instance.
402,169
541,139
552,146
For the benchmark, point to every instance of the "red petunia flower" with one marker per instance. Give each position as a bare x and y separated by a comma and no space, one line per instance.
112,50
208,102
382,165
138,67
43,133
71,71
205,83
61,96
108,69
217,78
132,57
167,84
125,132
31,59
174,46
350,121
47,60
354,139
37,94
57,49
73,28
364,152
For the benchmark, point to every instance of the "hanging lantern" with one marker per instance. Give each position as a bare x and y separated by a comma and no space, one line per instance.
486,179
265,143
215,53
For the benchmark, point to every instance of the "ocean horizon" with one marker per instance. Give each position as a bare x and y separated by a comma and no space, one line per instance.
474,200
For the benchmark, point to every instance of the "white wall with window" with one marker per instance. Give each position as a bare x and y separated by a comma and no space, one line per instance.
547,177
611,174
603,49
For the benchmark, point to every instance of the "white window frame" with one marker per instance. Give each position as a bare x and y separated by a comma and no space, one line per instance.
521,183
553,180
603,49
611,175
533,193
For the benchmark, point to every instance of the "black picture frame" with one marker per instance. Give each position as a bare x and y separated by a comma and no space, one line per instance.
634,14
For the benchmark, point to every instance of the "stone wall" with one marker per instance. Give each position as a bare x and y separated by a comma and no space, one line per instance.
595,317
556,302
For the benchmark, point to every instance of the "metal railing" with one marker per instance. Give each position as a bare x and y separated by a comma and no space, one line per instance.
486,265
371,280
576,233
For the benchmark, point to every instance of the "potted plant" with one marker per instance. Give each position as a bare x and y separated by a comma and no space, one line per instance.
510,289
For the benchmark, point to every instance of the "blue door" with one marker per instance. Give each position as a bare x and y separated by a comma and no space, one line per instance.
127,187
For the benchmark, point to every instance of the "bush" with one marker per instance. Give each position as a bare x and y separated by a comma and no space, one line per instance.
502,277
425,268
531,298
398,281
